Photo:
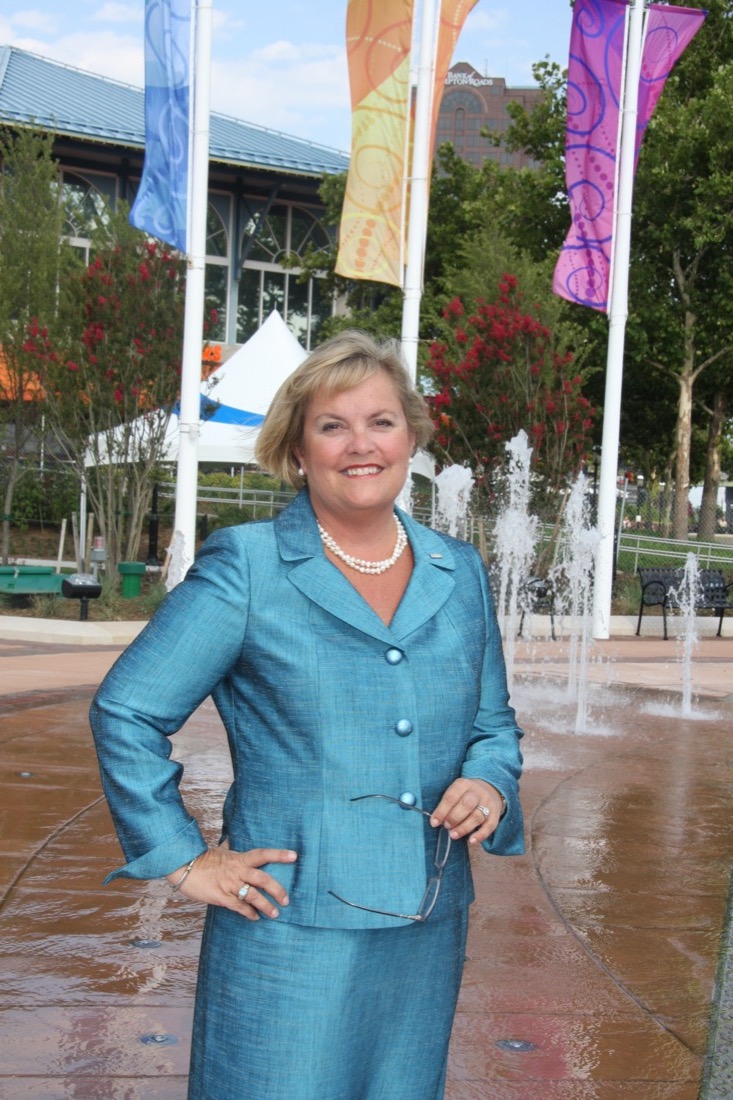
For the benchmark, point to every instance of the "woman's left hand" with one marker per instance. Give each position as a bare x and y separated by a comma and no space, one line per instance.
460,810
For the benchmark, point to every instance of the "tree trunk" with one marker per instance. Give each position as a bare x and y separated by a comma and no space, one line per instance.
8,507
709,506
685,280
667,496
683,437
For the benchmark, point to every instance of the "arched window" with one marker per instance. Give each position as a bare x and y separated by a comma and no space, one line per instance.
461,116
86,207
272,242
217,275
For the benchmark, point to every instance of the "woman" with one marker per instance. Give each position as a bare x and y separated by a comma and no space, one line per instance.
355,661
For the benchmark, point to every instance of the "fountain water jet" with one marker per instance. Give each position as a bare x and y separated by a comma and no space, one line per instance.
687,595
578,543
515,539
453,486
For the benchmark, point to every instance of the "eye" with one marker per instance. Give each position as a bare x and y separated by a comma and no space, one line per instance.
330,426
384,422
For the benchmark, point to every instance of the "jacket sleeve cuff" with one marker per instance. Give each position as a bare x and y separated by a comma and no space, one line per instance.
507,838
166,857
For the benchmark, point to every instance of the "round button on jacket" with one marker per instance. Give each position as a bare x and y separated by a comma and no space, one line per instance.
404,727
408,799
393,656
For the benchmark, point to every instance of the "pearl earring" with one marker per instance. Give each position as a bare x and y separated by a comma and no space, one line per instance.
301,471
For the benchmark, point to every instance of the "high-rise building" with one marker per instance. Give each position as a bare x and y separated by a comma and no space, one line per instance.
472,103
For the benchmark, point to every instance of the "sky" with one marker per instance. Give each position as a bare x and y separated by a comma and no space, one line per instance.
279,63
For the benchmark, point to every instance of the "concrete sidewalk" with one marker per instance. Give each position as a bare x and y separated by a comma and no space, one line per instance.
592,959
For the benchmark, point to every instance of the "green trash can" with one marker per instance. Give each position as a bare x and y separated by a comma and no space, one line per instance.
132,573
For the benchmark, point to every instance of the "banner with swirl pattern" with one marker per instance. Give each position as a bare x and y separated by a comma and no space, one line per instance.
161,204
371,237
595,91
374,214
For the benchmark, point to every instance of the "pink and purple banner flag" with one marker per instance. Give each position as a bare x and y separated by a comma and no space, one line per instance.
161,204
595,89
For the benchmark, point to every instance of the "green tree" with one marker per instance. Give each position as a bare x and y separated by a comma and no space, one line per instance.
33,260
683,207
111,370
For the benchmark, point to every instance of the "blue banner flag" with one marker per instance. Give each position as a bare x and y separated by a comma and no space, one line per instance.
161,205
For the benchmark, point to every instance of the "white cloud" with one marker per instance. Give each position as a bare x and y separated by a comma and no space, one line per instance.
481,21
34,20
300,90
278,51
222,21
119,57
118,13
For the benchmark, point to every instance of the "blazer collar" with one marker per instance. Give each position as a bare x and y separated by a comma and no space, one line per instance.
311,572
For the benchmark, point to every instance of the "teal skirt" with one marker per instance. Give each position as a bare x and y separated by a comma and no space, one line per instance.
286,1012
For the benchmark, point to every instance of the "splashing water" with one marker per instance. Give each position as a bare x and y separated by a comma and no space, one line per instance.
686,596
453,486
578,543
515,538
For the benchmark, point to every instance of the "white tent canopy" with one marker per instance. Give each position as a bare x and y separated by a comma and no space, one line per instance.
251,377
246,383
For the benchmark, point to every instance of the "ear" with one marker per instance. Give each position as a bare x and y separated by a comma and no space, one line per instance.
298,455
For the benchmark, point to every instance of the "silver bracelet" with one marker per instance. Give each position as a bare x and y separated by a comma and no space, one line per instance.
184,876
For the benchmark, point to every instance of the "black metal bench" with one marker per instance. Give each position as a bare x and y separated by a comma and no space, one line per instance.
660,587
537,594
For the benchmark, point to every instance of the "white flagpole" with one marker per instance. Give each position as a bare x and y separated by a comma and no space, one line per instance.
419,176
184,537
617,315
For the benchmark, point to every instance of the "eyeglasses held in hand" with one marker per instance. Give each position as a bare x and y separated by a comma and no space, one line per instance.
432,889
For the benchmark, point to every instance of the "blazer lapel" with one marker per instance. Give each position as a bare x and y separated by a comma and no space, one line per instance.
432,580
314,575
430,585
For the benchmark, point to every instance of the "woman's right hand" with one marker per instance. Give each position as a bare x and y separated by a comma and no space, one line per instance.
218,875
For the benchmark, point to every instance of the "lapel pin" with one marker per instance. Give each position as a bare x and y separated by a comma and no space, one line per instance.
436,555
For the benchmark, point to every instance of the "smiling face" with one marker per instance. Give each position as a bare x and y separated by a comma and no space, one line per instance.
356,449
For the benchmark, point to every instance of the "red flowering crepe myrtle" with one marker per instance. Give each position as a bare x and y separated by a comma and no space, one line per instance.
497,372
110,371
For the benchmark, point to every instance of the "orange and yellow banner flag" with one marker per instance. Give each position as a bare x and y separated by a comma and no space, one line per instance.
371,238
374,214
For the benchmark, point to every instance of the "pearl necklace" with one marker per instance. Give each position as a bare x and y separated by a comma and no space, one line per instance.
359,564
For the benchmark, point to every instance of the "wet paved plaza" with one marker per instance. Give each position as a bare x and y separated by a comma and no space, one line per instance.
592,960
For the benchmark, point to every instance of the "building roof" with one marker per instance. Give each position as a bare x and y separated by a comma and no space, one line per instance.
69,101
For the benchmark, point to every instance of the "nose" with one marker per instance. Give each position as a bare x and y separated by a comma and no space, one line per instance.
360,441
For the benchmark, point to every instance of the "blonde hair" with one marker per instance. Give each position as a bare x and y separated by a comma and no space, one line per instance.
337,365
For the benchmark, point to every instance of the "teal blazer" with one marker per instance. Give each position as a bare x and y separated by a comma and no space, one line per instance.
322,702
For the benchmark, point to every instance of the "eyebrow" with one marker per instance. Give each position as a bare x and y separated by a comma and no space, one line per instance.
340,416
